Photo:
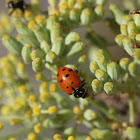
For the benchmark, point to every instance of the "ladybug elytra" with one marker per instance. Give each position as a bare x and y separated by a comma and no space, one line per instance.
71,83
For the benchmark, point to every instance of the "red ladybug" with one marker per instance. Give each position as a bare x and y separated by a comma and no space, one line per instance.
71,83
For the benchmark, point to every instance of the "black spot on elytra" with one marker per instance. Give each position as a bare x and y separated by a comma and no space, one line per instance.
71,82
61,80
57,74
63,69
67,75
67,87
70,70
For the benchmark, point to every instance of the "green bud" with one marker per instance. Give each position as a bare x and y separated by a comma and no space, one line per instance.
126,19
72,37
41,33
132,27
101,53
89,114
101,134
45,46
113,70
101,75
134,69
79,5
132,35
101,2
138,39
74,15
37,54
98,13
55,31
97,86
124,62
51,57
51,21
133,133
23,39
26,51
110,88
119,39
24,30
58,46
70,131
127,43
76,48
93,66
64,9
123,29
71,3
136,19
136,55
12,44
38,65
102,62
86,16
118,13
82,59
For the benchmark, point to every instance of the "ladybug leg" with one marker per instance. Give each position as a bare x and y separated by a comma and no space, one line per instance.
83,83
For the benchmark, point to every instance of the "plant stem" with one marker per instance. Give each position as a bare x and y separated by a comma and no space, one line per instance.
131,111
103,110
99,42
17,133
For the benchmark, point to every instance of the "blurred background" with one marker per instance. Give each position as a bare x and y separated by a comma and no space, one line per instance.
99,27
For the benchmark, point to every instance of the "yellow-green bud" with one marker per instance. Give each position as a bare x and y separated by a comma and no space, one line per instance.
136,55
72,37
124,62
86,16
55,31
40,33
58,46
97,86
101,75
26,51
93,66
74,15
38,65
45,46
12,44
118,13
110,88
123,29
98,12
127,43
119,39
131,27
113,70
134,69
76,48
90,115
37,54
51,57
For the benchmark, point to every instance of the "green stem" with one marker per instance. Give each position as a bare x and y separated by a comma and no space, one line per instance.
99,42
17,133
103,110
131,111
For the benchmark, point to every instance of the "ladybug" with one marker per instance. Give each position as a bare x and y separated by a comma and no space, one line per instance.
71,83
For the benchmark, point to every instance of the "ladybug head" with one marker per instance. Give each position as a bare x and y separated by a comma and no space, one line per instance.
80,92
